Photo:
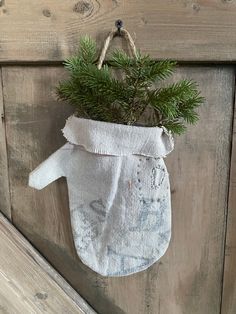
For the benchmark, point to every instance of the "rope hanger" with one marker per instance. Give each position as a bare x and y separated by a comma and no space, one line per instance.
120,31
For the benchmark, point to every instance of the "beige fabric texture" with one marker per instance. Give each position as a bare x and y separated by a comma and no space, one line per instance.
119,193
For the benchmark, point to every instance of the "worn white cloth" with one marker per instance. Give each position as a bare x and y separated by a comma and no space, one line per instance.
119,193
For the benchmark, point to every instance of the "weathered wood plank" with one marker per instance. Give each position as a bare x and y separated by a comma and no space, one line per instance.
28,284
188,278
34,109
5,206
43,216
185,30
229,283
199,168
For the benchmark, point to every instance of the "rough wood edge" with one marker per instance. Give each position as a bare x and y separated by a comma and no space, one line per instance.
228,258
3,149
17,237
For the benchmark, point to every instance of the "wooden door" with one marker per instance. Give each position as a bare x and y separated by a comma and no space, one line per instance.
197,273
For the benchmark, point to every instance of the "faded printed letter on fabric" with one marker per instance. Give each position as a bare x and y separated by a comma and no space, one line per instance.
119,193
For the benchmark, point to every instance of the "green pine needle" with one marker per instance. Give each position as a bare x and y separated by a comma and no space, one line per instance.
88,49
100,95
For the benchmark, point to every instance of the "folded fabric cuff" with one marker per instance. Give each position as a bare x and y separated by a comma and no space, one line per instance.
118,139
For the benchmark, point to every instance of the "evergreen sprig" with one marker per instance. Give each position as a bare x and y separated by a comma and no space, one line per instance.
100,95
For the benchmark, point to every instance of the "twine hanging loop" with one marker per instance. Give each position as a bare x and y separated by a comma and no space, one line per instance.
121,32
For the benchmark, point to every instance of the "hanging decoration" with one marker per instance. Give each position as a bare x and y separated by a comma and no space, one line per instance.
118,184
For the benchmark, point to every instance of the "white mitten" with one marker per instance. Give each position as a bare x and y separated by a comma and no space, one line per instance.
118,190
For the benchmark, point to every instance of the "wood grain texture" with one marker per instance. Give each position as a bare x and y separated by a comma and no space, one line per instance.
188,278
5,206
199,168
229,287
186,30
28,284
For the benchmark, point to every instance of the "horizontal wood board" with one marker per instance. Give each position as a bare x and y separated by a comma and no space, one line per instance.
185,30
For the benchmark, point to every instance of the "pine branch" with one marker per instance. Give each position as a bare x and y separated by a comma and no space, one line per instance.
88,49
175,127
100,95
144,67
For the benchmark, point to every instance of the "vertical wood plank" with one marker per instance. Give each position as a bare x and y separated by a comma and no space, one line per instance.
32,116
199,168
33,122
188,278
229,282
4,181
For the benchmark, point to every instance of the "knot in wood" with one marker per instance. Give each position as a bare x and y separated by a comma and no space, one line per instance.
83,7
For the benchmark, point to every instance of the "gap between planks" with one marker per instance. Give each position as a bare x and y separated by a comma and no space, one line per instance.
228,295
